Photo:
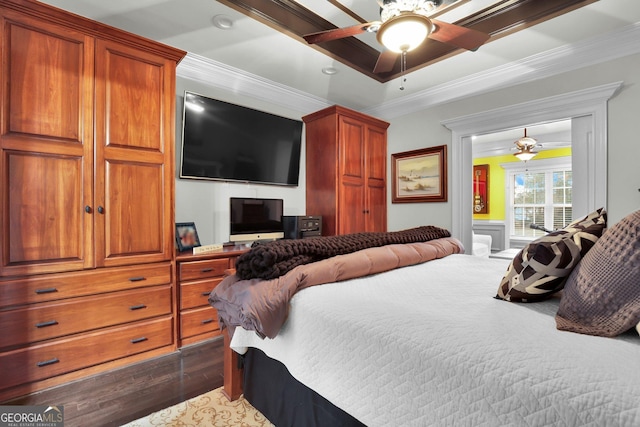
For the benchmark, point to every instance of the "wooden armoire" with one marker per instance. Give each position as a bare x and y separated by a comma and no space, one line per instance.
87,253
346,163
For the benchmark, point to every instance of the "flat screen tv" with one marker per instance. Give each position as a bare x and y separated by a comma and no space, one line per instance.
255,219
227,142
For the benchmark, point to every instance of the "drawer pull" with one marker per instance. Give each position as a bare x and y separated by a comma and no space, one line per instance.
46,291
137,279
205,321
137,307
137,340
205,294
45,324
48,362
206,270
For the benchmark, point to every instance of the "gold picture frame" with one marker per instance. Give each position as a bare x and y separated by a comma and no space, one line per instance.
420,176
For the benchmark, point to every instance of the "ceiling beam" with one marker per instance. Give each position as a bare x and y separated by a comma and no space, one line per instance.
498,20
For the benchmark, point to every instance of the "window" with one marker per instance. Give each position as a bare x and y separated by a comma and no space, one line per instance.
539,196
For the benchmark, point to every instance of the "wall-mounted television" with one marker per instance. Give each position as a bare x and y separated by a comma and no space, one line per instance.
255,219
227,142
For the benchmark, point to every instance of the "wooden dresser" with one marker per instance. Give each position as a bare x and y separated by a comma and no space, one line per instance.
346,170
87,197
197,276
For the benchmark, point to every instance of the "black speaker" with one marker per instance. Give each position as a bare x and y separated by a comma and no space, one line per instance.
301,227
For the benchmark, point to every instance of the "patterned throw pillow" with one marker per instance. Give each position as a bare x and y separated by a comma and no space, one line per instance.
541,268
602,295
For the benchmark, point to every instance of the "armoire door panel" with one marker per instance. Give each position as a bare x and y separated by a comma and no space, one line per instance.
352,208
47,145
376,154
352,142
132,220
132,97
377,211
47,68
45,214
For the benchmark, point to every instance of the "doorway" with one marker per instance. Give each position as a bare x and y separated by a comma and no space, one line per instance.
519,193
588,110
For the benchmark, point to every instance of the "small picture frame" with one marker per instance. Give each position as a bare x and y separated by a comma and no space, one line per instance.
186,236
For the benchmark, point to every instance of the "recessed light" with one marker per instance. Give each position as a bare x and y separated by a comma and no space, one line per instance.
329,71
222,21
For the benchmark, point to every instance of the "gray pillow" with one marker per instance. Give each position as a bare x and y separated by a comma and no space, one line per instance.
602,294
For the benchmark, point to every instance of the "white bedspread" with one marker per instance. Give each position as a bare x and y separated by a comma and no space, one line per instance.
429,345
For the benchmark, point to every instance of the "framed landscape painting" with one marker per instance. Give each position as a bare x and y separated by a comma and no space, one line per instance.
420,175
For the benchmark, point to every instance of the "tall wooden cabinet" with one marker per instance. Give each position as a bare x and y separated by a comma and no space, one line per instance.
346,170
86,196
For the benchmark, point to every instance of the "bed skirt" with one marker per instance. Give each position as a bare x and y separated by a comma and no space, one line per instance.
271,389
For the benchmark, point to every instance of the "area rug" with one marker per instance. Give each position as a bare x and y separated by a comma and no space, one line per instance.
209,409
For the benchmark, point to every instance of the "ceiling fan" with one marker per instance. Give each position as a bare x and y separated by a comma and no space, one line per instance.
403,26
525,146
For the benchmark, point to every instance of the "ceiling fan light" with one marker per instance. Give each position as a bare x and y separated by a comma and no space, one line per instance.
405,32
525,147
525,154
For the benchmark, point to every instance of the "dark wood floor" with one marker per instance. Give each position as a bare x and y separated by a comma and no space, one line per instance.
126,394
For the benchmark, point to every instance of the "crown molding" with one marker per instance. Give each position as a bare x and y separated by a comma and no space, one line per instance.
222,76
616,44
619,43
539,110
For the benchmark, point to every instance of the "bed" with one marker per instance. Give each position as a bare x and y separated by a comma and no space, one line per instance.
438,342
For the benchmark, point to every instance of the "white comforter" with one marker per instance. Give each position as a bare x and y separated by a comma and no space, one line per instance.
429,345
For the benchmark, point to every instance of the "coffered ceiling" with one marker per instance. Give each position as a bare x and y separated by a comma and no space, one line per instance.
251,43
495,18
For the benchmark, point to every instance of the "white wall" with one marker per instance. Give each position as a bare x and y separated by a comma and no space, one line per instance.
206,203
423,129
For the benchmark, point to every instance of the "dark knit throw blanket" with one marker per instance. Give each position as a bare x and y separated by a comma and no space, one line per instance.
274,259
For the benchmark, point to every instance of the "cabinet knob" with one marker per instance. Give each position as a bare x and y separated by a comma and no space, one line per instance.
87,209
100,209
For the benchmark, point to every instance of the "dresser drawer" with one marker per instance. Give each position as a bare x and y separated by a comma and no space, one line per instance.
192,270
51,287
198,321
45,321
81,351
196,294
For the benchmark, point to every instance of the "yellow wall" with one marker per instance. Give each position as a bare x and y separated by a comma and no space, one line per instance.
497,180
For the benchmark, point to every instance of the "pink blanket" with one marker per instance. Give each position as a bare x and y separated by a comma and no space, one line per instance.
263,305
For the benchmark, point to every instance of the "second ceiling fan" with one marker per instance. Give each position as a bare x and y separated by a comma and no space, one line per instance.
403,26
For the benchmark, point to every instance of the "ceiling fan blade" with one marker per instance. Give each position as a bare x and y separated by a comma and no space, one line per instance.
385,62
338,33
458,36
